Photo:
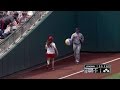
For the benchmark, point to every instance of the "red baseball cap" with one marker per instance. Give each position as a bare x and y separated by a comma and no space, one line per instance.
50,38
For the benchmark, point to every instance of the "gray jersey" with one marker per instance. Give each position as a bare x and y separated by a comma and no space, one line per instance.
77,38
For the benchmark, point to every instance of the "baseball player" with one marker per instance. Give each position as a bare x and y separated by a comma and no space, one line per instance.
77,39
52,51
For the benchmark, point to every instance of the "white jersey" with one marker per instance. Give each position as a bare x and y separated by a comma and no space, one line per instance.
14,25
77,38
51,50
30,13
7,30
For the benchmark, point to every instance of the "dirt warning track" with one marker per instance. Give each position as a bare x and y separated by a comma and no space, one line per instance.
67,69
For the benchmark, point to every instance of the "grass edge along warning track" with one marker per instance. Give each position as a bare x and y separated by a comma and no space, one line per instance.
116,59
113,76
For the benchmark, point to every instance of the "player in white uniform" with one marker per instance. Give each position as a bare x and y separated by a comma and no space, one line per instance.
77,39
51,51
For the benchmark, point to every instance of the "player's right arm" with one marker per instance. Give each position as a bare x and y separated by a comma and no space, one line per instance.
72,37
46,45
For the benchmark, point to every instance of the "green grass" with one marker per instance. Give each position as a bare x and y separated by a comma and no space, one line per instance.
114,76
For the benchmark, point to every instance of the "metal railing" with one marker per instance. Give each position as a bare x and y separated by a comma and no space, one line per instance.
11,39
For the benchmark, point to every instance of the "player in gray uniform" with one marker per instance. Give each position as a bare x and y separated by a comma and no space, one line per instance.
77,39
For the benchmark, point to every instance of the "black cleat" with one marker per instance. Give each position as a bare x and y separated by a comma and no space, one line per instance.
53,69
48,67
77,62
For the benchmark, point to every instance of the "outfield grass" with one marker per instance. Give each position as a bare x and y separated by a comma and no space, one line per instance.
114,76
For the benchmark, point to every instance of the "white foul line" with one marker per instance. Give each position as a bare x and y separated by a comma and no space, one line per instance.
83,70
71,74
111,61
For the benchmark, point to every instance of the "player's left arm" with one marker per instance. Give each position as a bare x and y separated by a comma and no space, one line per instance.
82,38
56,50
